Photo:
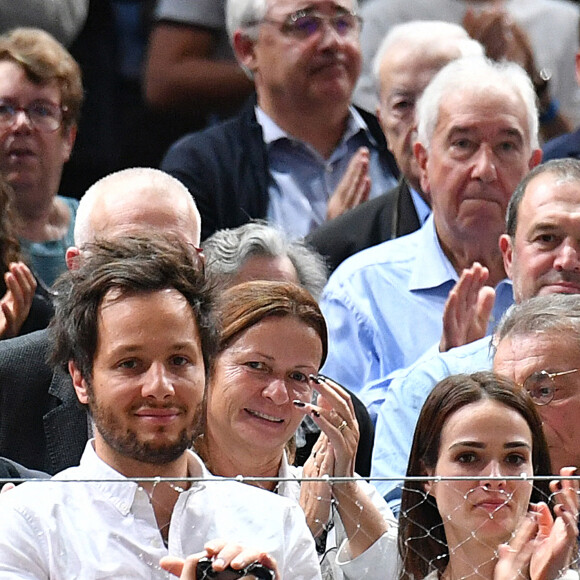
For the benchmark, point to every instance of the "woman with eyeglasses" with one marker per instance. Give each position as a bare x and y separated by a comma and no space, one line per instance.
486,430
40,99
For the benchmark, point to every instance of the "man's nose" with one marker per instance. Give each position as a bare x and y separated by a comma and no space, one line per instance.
484,168
157,382
568,256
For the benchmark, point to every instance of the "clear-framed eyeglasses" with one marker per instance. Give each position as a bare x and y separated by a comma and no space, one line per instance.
540,385
42,115
304,24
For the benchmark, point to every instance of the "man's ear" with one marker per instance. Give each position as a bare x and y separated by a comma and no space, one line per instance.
72,257
244,50
422,155
505,245
79,383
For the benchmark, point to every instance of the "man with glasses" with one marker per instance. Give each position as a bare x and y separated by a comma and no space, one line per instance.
539,348
40,100
300,153
541,253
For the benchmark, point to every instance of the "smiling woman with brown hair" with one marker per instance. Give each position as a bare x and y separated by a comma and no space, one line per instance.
272,343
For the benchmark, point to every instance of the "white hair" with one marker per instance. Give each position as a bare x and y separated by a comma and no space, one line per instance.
241,14
432,36
121,183
475,73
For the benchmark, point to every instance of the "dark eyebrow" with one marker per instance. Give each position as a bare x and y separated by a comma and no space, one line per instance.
479,445
516,444
475,444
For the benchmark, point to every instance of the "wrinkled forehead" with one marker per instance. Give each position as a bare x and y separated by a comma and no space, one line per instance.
518,356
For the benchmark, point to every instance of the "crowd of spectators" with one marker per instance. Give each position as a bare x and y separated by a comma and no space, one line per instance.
254,251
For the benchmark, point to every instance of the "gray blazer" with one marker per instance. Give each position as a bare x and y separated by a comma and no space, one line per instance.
42,424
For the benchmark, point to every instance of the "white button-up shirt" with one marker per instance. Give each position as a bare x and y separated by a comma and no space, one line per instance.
62,530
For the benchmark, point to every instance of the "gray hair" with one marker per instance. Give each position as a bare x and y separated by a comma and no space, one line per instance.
122,182
245,14
433,36
475,73
554,314
563,169
227,250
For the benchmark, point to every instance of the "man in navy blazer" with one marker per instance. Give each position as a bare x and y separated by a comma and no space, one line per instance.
299,153
42,425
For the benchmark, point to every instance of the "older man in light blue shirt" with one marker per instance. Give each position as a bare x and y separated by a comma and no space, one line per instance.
477,138
542,223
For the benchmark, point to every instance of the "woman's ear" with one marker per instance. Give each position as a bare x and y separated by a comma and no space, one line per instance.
428,486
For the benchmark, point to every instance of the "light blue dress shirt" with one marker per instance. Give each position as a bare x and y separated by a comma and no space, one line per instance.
302,181
384,308
405,391
421,206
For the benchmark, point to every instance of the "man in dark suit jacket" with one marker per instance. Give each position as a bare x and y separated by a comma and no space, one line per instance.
409,57
386,217
42,425
292,161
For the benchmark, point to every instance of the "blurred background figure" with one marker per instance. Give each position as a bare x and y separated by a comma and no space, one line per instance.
540,35
258,251
190,68
25,305
63,19
298,153
40,99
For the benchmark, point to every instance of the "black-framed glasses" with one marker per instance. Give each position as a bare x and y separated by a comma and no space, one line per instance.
540,385
42,115
304,24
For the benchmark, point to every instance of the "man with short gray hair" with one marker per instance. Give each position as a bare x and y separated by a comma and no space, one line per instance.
477,138
300,153
538,346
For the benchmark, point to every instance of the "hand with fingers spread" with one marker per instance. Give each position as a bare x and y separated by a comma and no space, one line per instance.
555,542
223,554
354,187
16,302
543,547
467,309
